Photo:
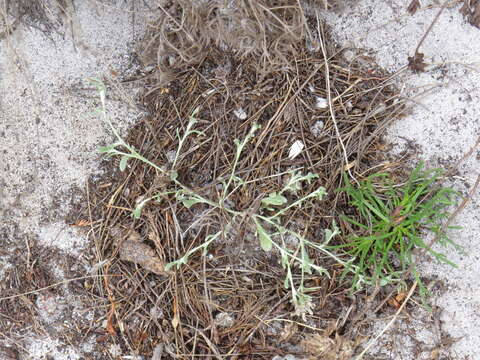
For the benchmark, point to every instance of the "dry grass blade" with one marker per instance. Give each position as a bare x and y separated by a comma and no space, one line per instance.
390,323
329,97
184,31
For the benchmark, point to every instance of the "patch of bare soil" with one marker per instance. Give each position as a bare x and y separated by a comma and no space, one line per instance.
234,66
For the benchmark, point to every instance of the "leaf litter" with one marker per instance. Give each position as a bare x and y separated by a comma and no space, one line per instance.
217,57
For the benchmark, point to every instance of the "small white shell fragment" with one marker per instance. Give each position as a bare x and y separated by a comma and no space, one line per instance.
240,114
321,103
295,149
349,55
317,128
156,313
94,269
380,109
171,156
311,88
115,350
349,105
139,200
286,357
172,60
209,92
313,45
149,68
246,279
224,320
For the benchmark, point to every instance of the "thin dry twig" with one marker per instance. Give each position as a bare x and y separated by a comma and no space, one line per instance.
416,61
390,323
329,97
63,282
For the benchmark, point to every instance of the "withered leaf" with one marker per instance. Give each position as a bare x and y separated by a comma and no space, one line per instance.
396,212
133,250
416,62
326,348
8,353
465,9
110,320
413,7
288,332
435,354
396,215
397,301
81,223
158,352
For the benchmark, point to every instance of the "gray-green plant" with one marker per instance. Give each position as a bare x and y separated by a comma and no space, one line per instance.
392,223
267,220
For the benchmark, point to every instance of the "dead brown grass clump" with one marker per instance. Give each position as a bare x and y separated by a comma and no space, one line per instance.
185,31
238,64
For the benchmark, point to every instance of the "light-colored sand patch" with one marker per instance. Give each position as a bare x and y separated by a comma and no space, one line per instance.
44,349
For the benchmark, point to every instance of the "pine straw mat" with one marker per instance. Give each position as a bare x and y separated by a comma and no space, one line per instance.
229,300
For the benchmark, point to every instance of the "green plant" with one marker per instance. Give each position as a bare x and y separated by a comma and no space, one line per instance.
266,218
391,223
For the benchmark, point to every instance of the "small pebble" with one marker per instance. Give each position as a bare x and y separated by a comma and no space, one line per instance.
171,156
349,55
224,320
317,128
240,114
321,103
295,149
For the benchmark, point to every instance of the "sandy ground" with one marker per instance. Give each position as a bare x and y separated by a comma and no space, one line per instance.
48,137
443,126
48,140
